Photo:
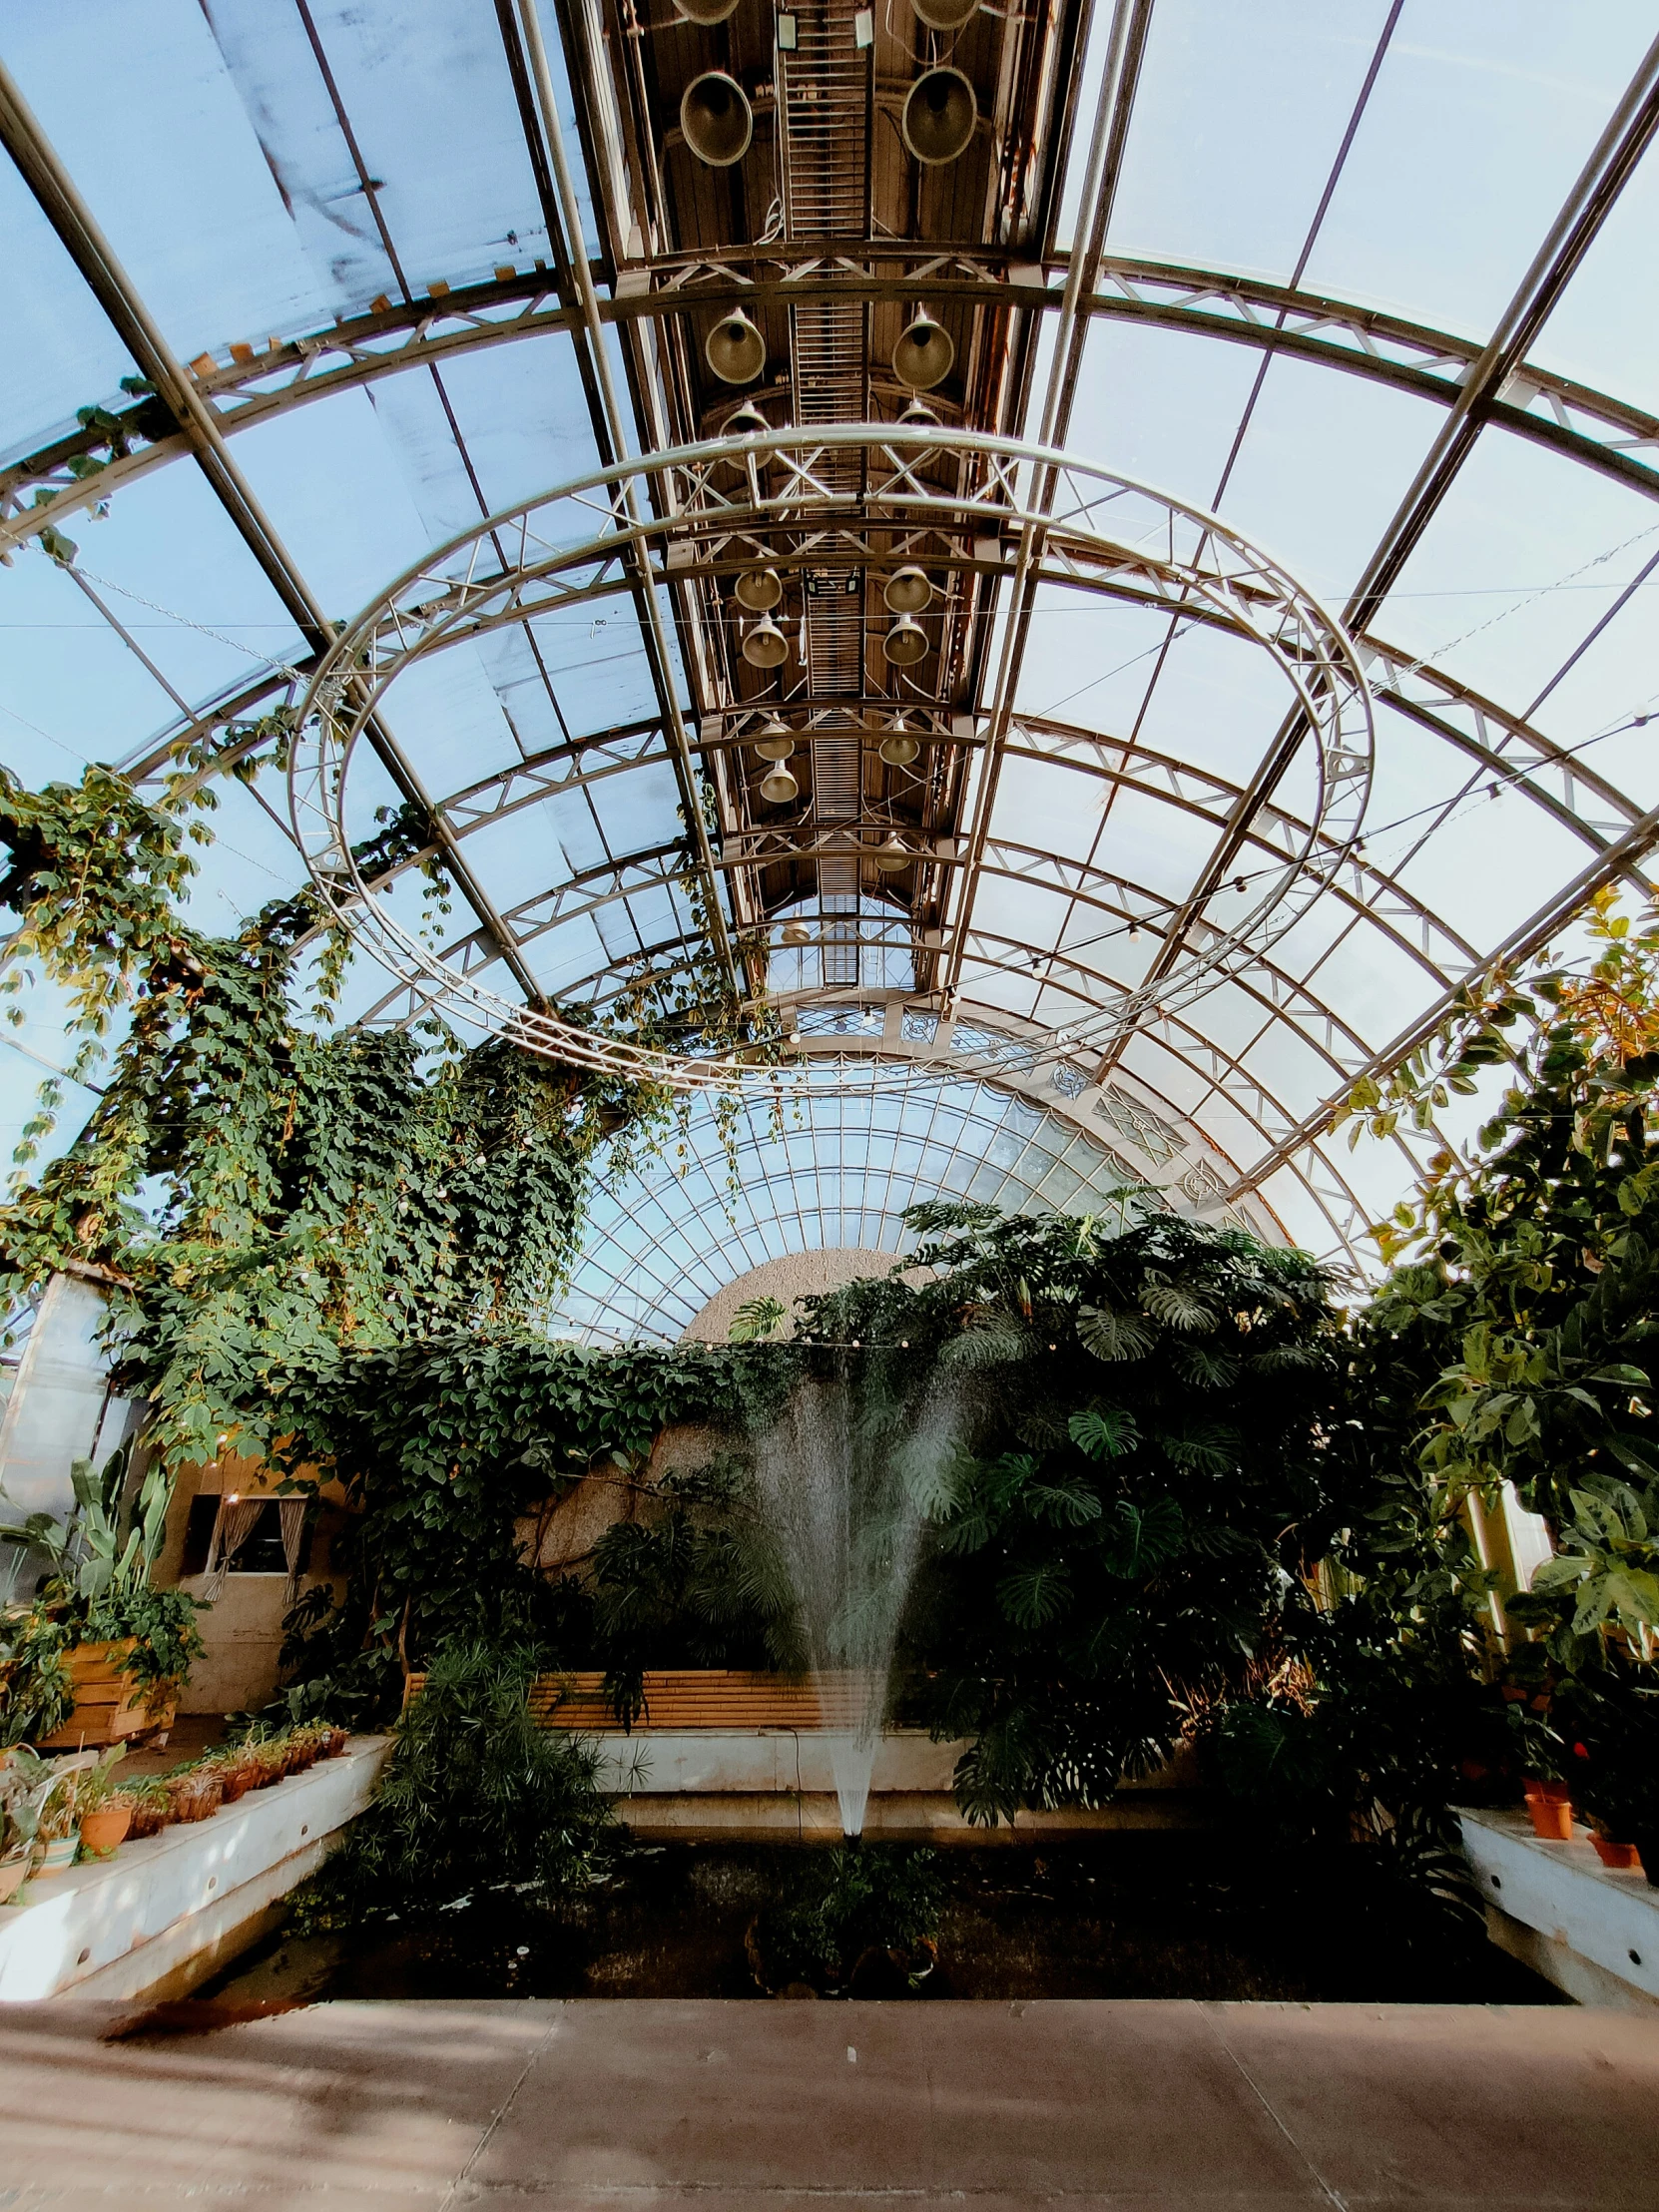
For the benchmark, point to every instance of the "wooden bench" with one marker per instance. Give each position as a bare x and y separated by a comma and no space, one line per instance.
693,1697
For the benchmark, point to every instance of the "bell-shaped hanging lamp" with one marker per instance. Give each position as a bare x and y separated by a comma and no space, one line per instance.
944,15
907,591
716,11
940,113
923,356
904,644
746,422
890,854
899,749
716,119
918,415
759,589
779,788
736,351
775,742
765,645
797,932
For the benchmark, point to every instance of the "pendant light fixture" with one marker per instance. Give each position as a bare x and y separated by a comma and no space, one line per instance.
765,645
775,742
779,788
907,591
923,356
795,933
890,854
736,351
716,119
899,749
904,644
746,422
940,114
759,590
945,15
918,415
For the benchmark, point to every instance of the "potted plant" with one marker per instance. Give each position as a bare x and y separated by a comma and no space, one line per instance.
1541,1754
122,1646
58,1831
237,1769
150,1808
25,1780
194,1793
106,1815
1613,1717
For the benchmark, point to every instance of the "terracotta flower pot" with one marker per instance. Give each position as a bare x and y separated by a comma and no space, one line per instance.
236,1777
195,1796
1614,1855
1550,1805
149,1816
104,1829
334,1743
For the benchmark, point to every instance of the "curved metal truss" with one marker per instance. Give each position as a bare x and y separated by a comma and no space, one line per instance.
779,499
242,384
1199,1062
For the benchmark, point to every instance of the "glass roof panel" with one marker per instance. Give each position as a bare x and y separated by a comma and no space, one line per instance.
1481,122
207,241
1605,330
431,77
1239,115
1526,551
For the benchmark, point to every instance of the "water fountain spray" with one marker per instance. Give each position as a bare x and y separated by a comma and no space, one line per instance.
846,1475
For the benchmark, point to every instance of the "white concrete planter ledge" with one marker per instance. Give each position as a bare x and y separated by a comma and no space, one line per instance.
1591,1930
167,1911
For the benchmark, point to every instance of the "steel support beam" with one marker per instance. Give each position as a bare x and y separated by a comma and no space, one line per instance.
1530,937
1629,131
76,227
242,384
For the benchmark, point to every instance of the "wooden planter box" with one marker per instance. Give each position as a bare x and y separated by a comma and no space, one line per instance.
109,1705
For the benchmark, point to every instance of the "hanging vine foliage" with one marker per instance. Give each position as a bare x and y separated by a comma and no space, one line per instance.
264,1197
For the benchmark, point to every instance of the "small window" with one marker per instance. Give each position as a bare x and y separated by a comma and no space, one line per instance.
260,1552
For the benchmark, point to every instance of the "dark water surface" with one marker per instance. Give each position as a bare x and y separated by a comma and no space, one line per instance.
1171,1914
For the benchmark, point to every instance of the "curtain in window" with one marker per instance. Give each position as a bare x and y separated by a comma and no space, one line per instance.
233,1525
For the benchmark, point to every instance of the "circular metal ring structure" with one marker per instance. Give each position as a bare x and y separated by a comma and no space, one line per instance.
1077,526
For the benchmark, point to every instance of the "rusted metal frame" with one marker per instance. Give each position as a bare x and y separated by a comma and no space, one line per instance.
1613,160
242,392
1119,74
78,230
1530,937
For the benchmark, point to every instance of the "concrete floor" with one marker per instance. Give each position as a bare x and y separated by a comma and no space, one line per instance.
1138,2107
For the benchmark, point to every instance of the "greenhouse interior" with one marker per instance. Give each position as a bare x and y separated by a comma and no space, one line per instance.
853,1401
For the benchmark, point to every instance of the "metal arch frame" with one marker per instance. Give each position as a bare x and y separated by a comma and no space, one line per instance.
750,1144
117,296
1052,497
1628,132
1243,1092
1594,428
